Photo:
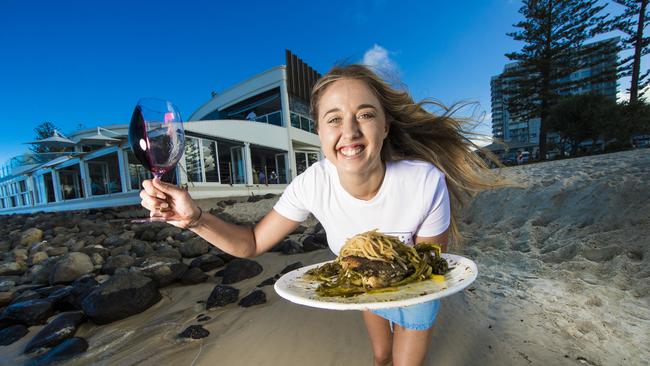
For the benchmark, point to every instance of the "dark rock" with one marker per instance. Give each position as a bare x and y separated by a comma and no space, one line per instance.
268,196
254,298
288,246
148,235
194,332
267,282
12,269
194,247
124,250
81,288
254,198
71,267
90,250
207,262
41,272
221,296
26,295
521,246
184,235
165,274
225,257
7,285
240,269
169,252
118,261
56,251
313,242
168,231
59,298
120,297
193,276
60,328
47,290
114,241
6,298
65,350
141,249
219,273
203,318
291,267
31,236
12,333
30,312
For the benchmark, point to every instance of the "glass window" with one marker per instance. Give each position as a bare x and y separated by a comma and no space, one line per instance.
104,173
295,120
301,162
137,172
210,160
275,118
193,160
312,158
70,179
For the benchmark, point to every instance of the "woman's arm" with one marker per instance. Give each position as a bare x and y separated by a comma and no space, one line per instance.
442,240
177,207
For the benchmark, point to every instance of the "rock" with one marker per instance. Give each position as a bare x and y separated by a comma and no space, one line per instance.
521,246
118,261
12,333
20,255
169,252
148,235
207,262
114,241
64,351
39,257
291,267
56,251
7,285
124,249
59,297
221,296
120,297
60,328
254,298
193,276
168,231
225,257
203,318
97,259
288,246
184,235
240,269
194,248
12,269
27,295
90,250
81,288
141,249
313,242
267,282
30,312
165,274
41,272
71,267
194,332
5,298
30,236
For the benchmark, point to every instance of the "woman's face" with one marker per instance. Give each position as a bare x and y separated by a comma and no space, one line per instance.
352,127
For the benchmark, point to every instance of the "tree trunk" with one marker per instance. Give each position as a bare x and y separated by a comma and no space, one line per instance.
638,46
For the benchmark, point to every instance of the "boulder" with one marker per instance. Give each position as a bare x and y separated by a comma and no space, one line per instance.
221,296
288,246
168,231
194,332
314,242
12,269
118,261
141,249
165,274
207,262
59,329
114,241
12,333
254,298
30,312
240,269
71,267
121,296
5,298
291,267
26,295
56,251
30,236
194,247
39,257
65,350
193,276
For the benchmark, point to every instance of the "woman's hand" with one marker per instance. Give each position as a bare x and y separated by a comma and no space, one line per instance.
169,202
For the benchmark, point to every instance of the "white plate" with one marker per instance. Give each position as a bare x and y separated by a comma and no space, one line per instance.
297,289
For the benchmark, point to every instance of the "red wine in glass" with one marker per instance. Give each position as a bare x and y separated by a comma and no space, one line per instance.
156,137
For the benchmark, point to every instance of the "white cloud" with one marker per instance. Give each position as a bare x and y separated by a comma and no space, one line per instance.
378,59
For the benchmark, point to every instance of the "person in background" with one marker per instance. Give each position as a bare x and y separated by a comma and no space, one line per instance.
251,116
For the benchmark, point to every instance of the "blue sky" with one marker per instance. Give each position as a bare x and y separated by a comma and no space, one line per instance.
88,62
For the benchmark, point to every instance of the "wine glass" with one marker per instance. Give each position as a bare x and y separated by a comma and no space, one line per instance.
157,138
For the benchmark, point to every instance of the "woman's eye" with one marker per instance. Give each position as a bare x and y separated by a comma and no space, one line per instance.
334,120
366,115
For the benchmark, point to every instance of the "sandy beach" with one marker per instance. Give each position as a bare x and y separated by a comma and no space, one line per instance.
564,279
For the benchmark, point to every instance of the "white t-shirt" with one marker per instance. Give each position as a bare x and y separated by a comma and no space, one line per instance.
412,201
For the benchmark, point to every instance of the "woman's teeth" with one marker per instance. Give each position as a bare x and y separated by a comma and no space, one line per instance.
351,151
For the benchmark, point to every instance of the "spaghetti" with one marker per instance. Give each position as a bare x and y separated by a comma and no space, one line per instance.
373,262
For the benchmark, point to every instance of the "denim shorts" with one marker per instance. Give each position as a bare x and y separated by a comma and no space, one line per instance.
418,317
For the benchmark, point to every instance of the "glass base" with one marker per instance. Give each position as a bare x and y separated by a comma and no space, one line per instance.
145,220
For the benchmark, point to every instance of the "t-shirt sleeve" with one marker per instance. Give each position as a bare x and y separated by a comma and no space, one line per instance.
292,203
439,214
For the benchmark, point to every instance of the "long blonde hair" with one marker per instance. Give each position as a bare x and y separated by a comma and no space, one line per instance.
417,134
